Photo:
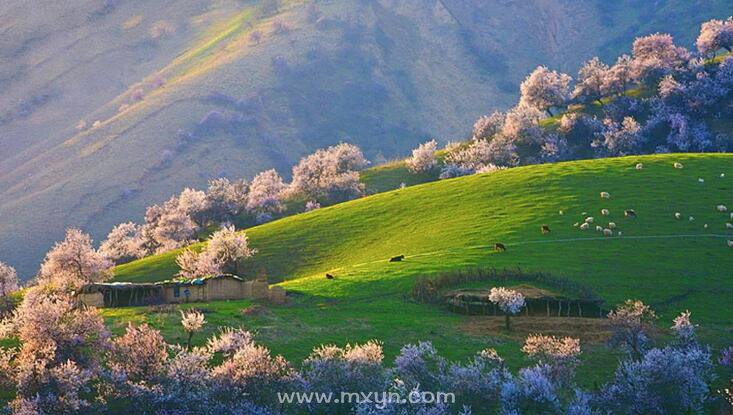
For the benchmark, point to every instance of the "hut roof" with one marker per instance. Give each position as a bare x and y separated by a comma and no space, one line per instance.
102,286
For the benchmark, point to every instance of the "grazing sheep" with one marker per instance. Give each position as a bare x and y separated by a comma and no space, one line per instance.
705,226
605,212
722,175
397,258
730,243
639,166
678,215
605,195
585,226
722,208
561,212
731,215
729,225
700,180
692,218
619,233
329,276
630,213
607,232
612,225
499,247
545,229
583,213
576,224
599,228
678,165
589,219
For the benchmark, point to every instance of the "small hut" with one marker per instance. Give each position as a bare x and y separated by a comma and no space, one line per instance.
220,287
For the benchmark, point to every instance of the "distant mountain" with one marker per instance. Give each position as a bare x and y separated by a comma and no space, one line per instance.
108,106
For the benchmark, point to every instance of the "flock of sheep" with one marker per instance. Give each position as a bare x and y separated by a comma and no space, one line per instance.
610,227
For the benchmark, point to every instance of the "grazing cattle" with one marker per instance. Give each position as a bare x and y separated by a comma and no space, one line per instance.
629,213
329,277
545,229
397,258
605,195
499,247
639,166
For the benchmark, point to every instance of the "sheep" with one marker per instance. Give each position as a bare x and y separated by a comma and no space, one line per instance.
678,215
329,277
728,225
605,195
545,229
499,247
731,215
576,224
585,226
730,243
705,226
589,219
397,258
605,212
599,228
639,166
560,212
722,208
607,232
630,213
692,218
722,175
700,180
678,165
583,213
619,233
612,225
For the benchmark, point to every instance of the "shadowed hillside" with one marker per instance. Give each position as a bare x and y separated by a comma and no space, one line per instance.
171,94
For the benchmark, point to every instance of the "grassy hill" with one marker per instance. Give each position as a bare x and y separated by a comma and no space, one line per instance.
451,225
176,92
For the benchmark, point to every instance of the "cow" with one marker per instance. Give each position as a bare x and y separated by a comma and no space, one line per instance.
630,213
329,277
499,247
397,258
545,229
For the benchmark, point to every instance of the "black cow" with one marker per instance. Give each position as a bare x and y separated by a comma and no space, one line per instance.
499,247
329,277
397,258
545,229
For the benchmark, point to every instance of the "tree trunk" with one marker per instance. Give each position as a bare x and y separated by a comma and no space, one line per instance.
506,321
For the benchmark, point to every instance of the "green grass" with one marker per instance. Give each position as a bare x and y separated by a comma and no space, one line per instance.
450,225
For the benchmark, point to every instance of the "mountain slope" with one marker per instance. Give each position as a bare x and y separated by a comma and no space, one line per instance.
451,225
214,99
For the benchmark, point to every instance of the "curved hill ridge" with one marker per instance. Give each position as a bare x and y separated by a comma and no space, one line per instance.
451,225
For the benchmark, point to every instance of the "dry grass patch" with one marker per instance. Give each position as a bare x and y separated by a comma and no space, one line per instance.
588,330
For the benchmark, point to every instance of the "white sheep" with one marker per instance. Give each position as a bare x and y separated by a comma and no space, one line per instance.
722,175
576,224
585,226
561,212
678,165
589,219
729,225
607,232
612,225
599,228
639,166
705,226
605,195
605,212
692,218
730,243
731,215
678,215
619,233
722,208
700,180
